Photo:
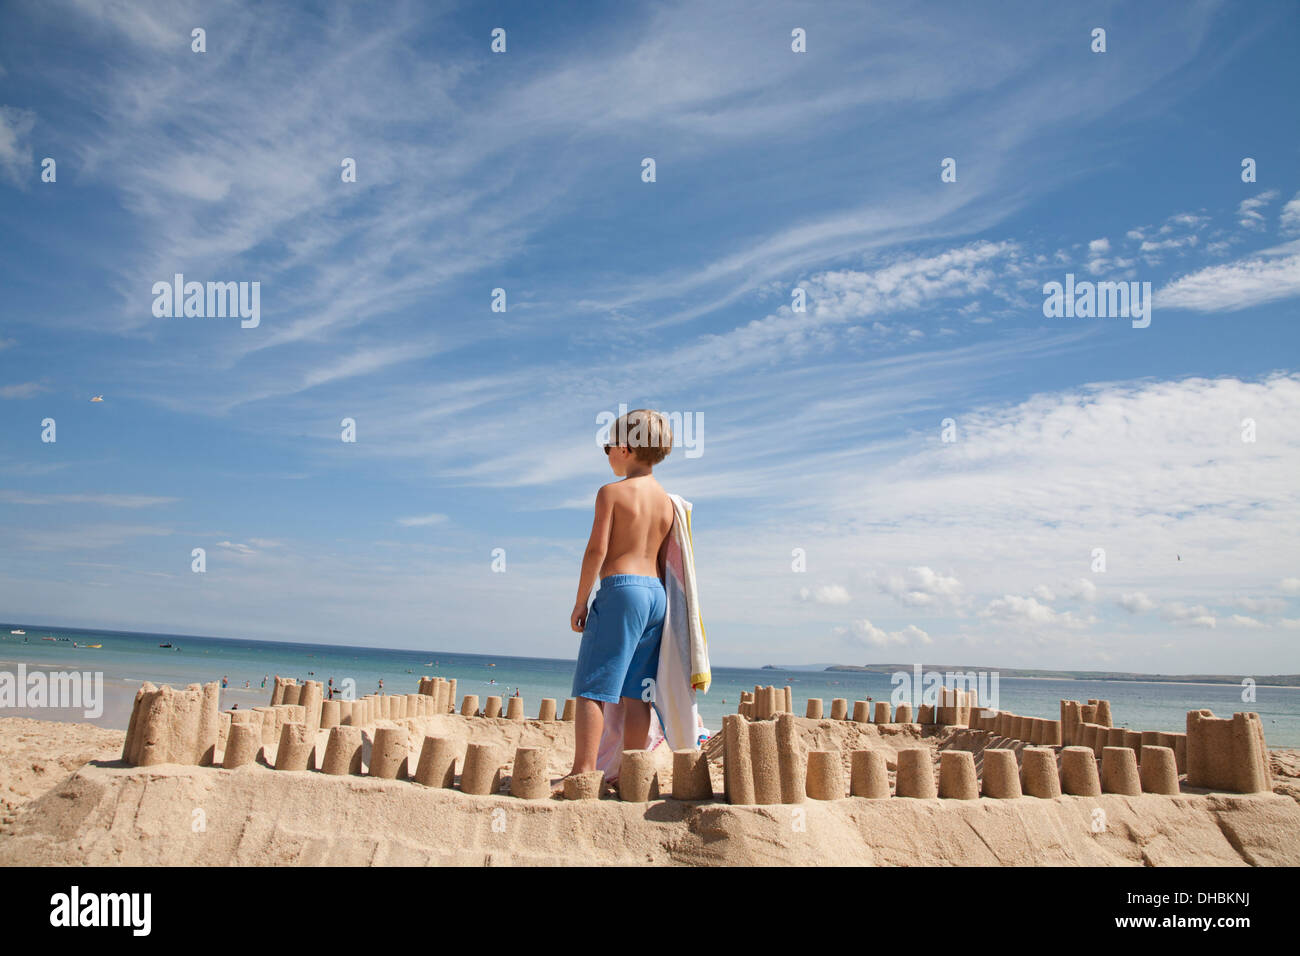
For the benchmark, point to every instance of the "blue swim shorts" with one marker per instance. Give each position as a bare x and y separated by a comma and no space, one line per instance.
620,644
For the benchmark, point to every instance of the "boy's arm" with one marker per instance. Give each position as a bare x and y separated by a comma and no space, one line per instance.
661,561
594,556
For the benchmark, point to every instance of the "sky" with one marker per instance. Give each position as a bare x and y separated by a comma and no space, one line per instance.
835,274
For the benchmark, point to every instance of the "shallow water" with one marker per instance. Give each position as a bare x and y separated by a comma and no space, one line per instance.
128,658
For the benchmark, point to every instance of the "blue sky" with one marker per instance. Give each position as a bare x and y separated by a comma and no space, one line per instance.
775,170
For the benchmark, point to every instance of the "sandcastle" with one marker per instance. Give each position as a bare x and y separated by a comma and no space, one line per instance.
1079,726
174,726
766,703
763,759
1094,756
1227,753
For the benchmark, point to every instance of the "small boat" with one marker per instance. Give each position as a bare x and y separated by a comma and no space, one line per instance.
47,638
17,632
164,645
94,645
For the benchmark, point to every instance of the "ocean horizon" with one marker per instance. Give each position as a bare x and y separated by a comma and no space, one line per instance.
127,658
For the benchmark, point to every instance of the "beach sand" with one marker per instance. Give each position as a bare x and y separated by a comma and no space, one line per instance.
69,800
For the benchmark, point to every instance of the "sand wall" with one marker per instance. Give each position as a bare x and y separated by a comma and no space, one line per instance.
258,816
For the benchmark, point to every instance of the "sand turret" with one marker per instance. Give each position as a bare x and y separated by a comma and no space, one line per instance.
1227,753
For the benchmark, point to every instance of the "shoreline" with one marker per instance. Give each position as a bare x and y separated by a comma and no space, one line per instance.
1150,706
800,669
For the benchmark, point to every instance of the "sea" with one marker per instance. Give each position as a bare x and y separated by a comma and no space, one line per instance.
249,667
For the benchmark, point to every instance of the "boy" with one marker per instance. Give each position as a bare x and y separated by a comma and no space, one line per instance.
622,631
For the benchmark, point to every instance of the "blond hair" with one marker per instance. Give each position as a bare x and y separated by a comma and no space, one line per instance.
646,432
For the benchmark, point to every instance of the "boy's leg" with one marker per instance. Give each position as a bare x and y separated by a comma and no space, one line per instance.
589,723
636,723
643,668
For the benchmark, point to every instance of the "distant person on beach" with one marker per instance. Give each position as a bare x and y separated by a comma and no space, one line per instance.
225,682
263,682
381,685
621,632
331,688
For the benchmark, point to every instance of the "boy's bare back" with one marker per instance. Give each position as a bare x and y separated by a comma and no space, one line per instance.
634,517
641,518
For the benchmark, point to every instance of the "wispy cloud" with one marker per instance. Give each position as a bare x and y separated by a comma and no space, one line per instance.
1269,276
107,500
21,390
15,147
421,521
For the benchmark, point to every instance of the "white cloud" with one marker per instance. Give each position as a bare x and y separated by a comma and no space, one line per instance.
1260,605
922,587
1242,621
1290,585
1270,275
1081,590
1248,210
1136,602
238,547
422,521
1289,221
1099,246
826,594
1177,243
1195,616
864,633
1028,612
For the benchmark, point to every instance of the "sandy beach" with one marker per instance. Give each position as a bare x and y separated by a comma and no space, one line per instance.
70,800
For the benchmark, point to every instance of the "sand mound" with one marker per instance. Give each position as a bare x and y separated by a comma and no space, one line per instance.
118,815
109,813
38,755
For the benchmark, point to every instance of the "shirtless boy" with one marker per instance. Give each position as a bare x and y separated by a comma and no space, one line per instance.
621,633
